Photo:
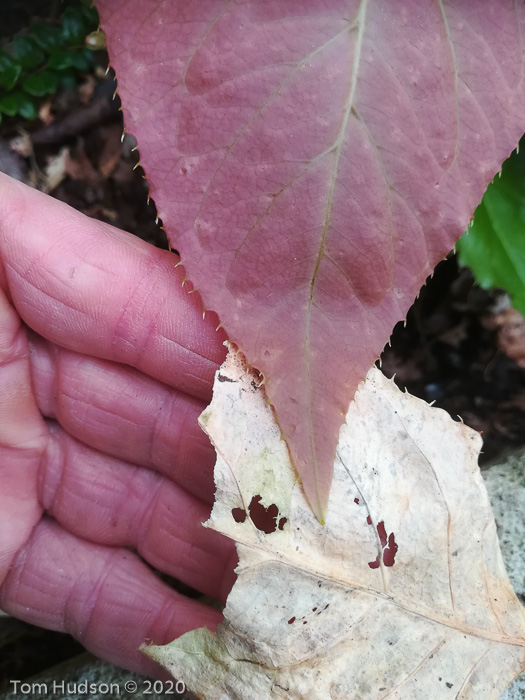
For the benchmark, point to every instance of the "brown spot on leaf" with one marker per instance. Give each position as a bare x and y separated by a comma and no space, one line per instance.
224,378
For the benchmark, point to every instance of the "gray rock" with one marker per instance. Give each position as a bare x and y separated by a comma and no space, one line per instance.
505,483
85,677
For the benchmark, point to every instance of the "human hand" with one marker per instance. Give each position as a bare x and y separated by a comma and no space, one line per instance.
105,365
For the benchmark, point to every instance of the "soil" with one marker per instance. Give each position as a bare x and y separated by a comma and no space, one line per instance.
462,347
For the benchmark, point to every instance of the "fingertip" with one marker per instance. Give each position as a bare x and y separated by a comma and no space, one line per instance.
92,288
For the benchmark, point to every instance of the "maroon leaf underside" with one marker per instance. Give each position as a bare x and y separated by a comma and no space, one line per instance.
312,162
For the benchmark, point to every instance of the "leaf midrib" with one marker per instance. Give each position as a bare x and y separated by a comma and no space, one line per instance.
424,613
338,147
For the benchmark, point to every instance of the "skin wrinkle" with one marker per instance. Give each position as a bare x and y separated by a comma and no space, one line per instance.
119,566
36,288
164,620
131,307
134,363
151,266
92,600
140,527
174,415
45,564
46,489
170,414
188,555
61,378
44,379
142,532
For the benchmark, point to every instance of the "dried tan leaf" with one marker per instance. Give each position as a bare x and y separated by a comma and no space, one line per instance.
403,594
55,171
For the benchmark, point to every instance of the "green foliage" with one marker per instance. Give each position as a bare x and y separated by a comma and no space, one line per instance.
494,246
47,58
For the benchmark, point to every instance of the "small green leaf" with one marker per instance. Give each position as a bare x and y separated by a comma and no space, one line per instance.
47,36
26,106
495,245
27,53
83,60
67,80
91,15
59,60
6,61
41,84
74,26
9,71
9,105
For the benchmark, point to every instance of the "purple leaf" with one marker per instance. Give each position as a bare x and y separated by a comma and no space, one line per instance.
312,162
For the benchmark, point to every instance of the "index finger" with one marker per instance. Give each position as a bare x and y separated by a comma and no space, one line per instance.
92,288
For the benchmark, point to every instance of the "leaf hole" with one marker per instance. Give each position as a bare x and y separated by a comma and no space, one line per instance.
264,519
239,515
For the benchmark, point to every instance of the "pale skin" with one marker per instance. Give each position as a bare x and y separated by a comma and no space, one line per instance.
105,365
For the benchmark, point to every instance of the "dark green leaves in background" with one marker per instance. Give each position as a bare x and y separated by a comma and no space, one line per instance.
47,58
495,245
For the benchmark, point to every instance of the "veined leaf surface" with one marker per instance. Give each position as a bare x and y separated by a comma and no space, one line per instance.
312,162
402,595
